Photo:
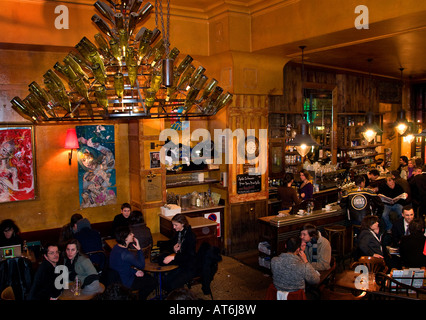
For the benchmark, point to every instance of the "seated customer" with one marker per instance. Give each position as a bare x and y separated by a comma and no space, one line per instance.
121,219
43,287
318,249
400,227
368,240
90,241
9,233
391,189
139,229
182,246
287,194
129,265
82,268
412,245
291,270
67,231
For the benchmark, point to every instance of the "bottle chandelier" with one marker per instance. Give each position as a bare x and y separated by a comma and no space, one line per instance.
126,74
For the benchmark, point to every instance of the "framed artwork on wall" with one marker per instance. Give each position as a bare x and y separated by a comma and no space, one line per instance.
17,163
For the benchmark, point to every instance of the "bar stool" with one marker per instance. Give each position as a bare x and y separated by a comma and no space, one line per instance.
337,232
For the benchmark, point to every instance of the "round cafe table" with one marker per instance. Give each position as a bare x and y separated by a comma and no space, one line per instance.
68,294
158,271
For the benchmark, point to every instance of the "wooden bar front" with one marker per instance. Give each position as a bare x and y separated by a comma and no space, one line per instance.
276,234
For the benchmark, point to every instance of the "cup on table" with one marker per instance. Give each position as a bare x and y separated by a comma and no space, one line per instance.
328,207
301,211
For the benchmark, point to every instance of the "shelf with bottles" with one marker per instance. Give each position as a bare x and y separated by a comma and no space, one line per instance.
190,178
283,124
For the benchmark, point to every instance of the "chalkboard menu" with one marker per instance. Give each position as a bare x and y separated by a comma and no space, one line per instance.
248,183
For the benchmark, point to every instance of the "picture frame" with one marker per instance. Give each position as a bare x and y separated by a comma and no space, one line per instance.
17,163
154,160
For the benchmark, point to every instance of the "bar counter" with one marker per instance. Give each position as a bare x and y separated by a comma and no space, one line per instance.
276,230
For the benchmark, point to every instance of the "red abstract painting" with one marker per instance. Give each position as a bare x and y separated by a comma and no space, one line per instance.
16,164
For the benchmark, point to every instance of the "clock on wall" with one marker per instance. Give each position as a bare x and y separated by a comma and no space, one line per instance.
251,147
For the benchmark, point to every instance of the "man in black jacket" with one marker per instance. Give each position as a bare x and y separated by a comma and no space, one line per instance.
361,202
44,287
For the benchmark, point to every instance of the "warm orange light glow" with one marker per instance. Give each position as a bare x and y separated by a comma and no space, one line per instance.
71,141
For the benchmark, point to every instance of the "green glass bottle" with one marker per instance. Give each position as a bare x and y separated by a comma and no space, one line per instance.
183,65
21,108
115,49
83,51
89,45
68,60
221,102
123,39
50,74
173,54
95,57
132,69
197,74
31,101
45,99
101,97
130,55
144,47
80,60
191,96
207,90
102,25
156,80
186,75
79,86
66,71
119,84
149,97
157,52
155,34
209,103
103,46
105,10
99,74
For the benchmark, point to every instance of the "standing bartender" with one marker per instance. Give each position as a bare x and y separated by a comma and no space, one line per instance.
287,194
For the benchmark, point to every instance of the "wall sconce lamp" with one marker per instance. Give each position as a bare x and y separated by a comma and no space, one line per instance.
303,141
369,130
71,142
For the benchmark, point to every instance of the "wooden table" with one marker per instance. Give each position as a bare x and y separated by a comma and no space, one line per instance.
68,294
158,272
349,279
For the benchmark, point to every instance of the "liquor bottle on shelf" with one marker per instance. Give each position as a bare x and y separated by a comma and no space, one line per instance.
21,108
45,99
101,97
156,78
119,84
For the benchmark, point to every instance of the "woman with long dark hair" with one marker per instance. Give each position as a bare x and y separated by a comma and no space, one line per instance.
183,254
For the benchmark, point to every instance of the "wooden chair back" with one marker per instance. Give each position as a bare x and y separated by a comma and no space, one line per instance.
147,251
373,264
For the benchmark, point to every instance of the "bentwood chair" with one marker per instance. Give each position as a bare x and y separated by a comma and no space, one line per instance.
391,286
373,264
